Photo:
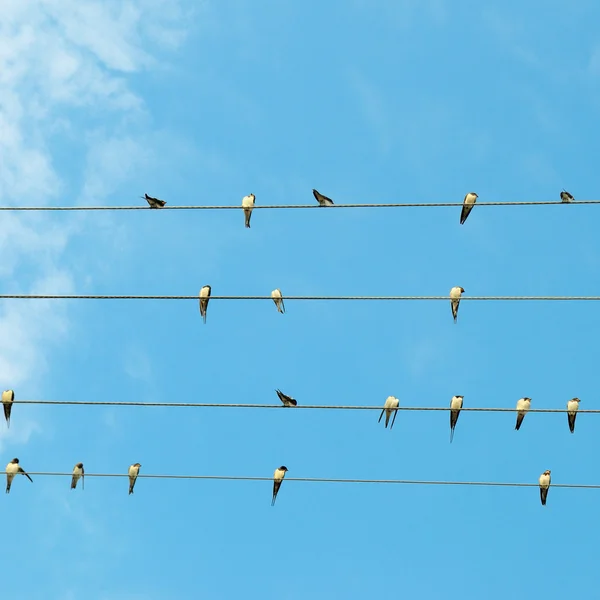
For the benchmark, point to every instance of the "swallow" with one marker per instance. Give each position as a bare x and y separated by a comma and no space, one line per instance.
455,294
523,405
12,469
133,473
322,200
544,486
248,205
77,473
468,204
8,397
153,202
204,296
455,406
566,197
277,479
278,299
287,400
390,406
572,407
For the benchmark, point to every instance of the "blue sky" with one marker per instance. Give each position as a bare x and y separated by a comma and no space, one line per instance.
367,101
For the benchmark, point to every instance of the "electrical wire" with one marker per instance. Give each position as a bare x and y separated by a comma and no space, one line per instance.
327,480
286,298
280,406
302,206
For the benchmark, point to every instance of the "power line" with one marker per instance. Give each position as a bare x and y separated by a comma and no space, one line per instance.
280,406
286,298
302,206
327,480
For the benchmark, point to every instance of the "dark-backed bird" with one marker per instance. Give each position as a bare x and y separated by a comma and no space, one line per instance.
287,400
133,473
14,468
153,202
277,479
322,200
468,204
78,473
566,197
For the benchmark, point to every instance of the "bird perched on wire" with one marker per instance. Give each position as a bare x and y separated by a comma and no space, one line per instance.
455,406
455,294
572,408
544,482
133,474
468,204
523,405
248,205
204,297
390,406
322,200
287,400
8,397
278,299
78,473
277,479
13,468
153,202
566,197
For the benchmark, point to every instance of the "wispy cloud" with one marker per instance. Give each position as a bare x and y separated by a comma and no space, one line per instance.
69,118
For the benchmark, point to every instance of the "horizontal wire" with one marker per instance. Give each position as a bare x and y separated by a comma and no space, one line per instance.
279,406
325,480
303,206
286,298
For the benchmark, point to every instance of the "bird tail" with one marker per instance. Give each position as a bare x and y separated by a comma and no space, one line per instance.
519,421
247,214
282,311
453,420
276,486
572,423
464,214
381,415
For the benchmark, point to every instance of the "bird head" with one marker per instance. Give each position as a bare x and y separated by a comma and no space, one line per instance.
462,290
547,472
79,465
283,468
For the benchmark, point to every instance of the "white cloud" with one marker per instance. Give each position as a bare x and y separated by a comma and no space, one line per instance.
56,57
